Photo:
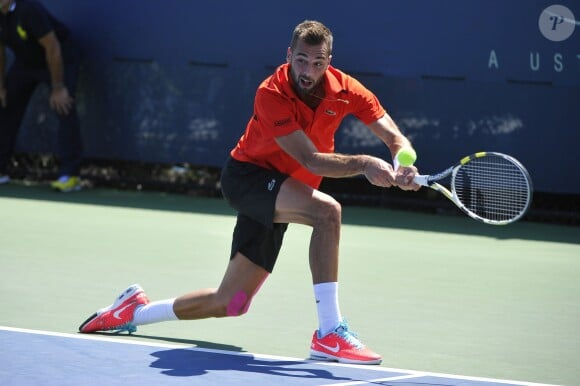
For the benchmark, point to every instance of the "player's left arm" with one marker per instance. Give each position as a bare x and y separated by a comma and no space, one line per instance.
60,99
300,147
387,131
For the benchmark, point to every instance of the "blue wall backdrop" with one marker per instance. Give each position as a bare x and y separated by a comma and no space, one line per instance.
173,81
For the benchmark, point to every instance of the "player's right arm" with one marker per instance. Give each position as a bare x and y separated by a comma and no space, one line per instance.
300,147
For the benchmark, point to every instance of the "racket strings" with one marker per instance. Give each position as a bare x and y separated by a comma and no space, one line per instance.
493,187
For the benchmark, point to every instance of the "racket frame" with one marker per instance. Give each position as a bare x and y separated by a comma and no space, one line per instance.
430,182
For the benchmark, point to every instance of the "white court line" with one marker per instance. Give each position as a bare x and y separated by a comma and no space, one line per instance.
409,373
397,378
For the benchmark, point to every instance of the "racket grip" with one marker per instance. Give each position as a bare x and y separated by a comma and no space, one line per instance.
421,179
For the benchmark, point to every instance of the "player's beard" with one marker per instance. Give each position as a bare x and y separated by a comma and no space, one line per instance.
302,84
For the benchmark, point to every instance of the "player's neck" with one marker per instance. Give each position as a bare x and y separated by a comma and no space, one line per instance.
312,98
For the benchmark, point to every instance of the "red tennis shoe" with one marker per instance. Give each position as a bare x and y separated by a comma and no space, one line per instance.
117,316
343,346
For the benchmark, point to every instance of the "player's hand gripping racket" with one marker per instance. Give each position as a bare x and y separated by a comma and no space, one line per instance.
493,188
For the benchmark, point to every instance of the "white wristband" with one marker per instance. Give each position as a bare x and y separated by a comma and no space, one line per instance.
396,162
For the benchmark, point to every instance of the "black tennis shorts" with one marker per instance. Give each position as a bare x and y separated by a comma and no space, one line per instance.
252,190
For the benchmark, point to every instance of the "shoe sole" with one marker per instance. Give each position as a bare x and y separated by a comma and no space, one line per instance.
319,356
126,294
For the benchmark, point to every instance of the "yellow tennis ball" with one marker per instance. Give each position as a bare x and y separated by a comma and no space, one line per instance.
406,157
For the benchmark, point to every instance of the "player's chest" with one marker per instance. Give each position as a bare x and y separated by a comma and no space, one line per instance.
324,119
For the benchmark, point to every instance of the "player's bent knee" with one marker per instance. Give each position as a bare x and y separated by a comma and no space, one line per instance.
329,211
238,305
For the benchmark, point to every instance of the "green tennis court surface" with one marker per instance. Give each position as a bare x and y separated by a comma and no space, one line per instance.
430,293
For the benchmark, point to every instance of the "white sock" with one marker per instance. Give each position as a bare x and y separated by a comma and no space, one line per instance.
326,295
154,312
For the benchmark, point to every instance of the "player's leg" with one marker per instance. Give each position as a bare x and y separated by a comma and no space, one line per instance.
299,203
241,281
255,247
254,250
132,308
256,242
19,88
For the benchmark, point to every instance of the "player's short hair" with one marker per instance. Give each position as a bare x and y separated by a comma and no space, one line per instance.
312,32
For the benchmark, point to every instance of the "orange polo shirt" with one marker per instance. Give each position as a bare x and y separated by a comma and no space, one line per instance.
278,112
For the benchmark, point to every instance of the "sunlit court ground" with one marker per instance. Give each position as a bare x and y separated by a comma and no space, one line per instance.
432,293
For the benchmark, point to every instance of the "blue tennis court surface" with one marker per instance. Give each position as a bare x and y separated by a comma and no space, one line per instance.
29,357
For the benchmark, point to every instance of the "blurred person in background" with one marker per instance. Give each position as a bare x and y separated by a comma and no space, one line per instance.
43,53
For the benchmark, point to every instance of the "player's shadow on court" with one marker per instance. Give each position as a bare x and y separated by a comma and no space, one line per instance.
188,363
195,343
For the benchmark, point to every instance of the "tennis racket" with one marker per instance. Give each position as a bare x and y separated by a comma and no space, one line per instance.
490,187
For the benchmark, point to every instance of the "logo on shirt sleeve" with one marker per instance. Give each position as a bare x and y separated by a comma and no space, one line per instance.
282,122
21,32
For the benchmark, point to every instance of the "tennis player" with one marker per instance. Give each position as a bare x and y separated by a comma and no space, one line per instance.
272,179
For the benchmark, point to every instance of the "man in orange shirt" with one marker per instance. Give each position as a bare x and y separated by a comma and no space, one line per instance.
272,179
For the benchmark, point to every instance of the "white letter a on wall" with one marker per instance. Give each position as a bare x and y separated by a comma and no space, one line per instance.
492,62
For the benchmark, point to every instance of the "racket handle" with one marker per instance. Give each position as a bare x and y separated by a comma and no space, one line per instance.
421,179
